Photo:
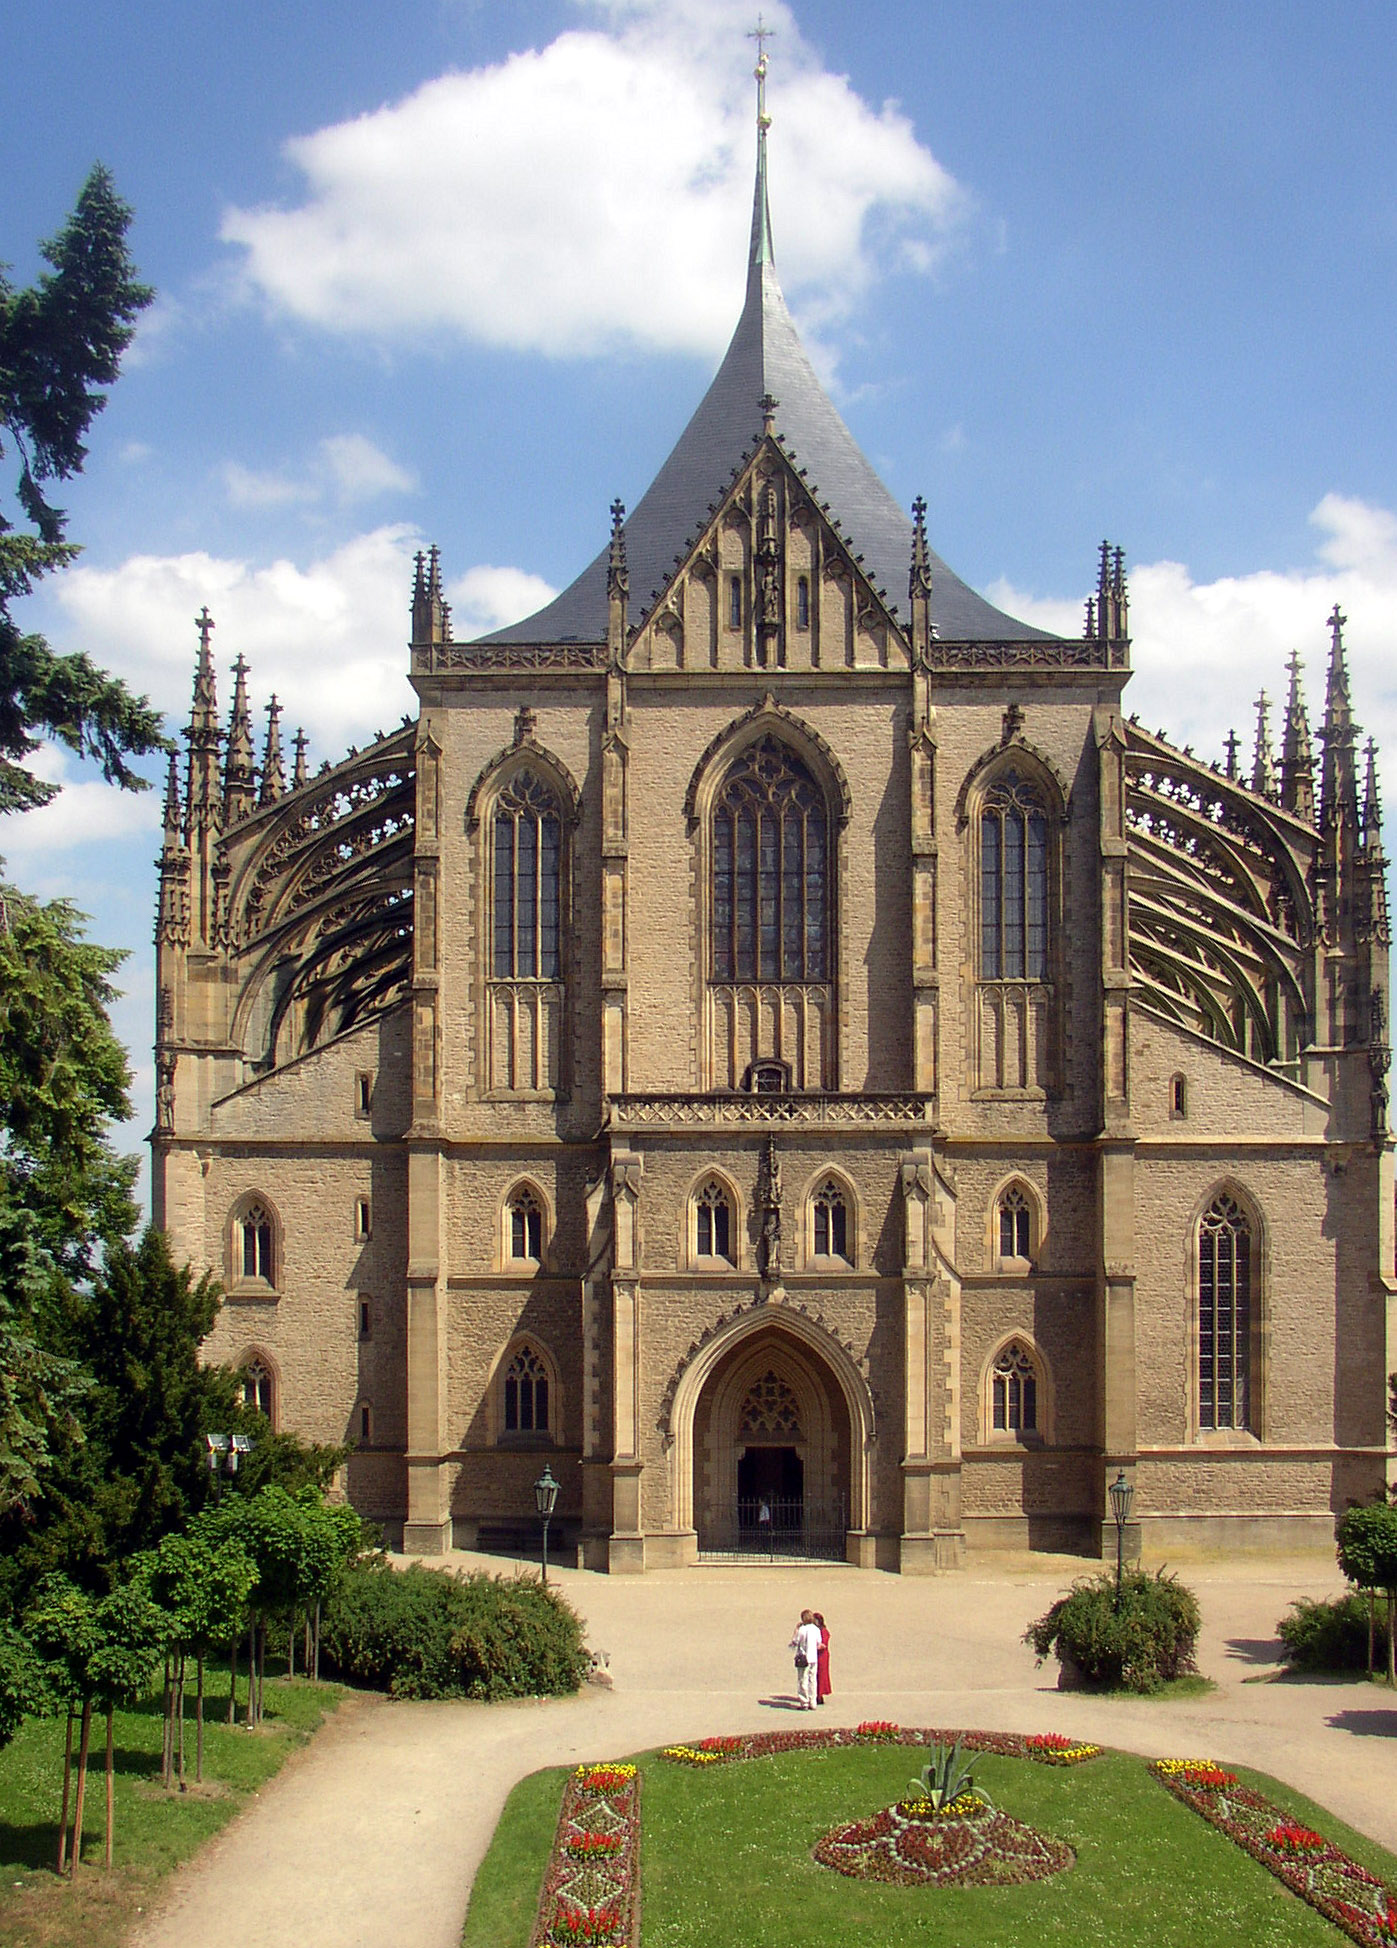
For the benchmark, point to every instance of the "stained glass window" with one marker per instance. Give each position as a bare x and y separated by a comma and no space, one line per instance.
528,860
1013,882
1224,1316
770,871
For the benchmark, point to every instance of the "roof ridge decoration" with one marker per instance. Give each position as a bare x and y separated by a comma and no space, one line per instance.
766,382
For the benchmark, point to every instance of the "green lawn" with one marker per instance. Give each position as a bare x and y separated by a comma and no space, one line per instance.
155,1830
726,1860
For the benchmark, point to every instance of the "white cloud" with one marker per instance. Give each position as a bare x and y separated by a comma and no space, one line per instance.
595,192
330,637
1202,651
490,598
347,468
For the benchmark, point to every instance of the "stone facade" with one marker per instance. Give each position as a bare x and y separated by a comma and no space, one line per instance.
788,1057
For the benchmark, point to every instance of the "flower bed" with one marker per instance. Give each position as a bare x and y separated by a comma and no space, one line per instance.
1345,1893
965,1844
1048,1748
591,1887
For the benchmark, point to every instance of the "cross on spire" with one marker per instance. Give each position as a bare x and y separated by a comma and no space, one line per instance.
205,625
761,34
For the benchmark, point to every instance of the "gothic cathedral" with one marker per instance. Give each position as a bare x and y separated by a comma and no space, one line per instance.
775,1041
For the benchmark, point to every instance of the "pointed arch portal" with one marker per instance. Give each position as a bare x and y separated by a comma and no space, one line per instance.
772,1424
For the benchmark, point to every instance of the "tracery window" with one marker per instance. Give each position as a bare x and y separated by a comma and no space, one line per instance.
770,871
770,1410
253,1254
1014,1391
830,1220
525,1228
1015,1224
528,884
257,1388
713,1222
525,1393
1013,881
1224,1316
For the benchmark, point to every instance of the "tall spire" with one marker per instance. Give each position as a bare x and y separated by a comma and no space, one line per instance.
1263,767
301,772
273,769
1297,754
761,251
431,615
239,778
1338,798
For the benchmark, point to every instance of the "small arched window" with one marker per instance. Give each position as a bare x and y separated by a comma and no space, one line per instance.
528,886
525,1393
734,601
1015,1224
1013,881
802,602
525,1228
254,1258
770,870
1224,1316
713,1226
1014,1392
830,1222
1178,1097
257,1388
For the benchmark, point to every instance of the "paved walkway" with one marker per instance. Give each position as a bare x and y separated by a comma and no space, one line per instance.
370,1837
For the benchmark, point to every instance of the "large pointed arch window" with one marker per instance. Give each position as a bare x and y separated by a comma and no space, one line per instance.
1225,1316
1013,881
528,862
528,881
770,871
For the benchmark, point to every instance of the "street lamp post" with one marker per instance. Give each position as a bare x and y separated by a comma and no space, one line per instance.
225,1452
545,1499
1122,1493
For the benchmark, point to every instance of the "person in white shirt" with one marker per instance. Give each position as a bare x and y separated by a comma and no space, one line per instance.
806,1645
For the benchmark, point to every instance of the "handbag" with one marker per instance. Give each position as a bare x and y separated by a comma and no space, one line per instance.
802,1661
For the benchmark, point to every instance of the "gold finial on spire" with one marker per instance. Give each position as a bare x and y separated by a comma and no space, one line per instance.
761,34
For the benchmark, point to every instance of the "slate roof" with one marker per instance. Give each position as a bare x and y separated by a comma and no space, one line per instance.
765,357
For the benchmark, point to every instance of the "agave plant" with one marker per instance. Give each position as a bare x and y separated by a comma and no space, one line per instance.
944,1778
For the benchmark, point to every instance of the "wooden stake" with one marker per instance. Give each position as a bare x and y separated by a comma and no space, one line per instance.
107,1860
67,1783
84,1742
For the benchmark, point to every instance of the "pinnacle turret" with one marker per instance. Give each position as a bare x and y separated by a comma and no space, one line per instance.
172,821
1372,799
202,796
1338,797
273,767
300,773
239,777
1263,767
431,614
1297,753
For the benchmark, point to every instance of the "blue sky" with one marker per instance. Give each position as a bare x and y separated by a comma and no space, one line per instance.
459,271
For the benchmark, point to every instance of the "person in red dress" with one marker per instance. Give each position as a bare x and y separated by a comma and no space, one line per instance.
822,1685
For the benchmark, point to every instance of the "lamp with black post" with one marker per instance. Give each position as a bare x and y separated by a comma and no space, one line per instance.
1122,1493
545,1499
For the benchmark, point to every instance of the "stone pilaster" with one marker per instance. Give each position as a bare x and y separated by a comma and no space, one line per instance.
932,1534
627,1547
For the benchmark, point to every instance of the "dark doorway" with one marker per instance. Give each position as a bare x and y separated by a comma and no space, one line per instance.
771,1475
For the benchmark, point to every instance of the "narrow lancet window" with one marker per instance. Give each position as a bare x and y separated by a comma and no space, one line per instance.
1013,882
1224,1316
528,856
770,890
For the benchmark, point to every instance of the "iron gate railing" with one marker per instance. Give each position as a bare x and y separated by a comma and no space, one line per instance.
765,1529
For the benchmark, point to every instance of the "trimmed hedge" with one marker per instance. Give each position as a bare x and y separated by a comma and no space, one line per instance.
425,1633
1140,1646
1332,1636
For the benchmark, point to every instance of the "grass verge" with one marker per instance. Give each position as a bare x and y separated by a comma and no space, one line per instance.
726,1859
155,1830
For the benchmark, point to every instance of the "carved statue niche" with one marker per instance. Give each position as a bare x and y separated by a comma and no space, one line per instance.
769,1204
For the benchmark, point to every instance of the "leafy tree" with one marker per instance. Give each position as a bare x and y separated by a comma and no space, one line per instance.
282,1460
1367,1551
131,1632
139,1470
22,1692
59,1625
204,1582
61,340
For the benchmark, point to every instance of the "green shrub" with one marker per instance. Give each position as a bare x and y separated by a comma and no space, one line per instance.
1332,1636
1139,1646
424,1633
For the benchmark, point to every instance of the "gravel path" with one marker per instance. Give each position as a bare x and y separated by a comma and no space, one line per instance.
369,1838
